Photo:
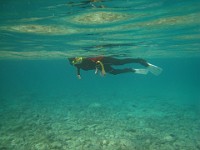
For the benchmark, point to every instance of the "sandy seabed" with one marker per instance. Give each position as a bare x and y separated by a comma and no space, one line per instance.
33,122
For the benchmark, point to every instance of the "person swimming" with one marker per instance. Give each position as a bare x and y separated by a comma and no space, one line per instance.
105,65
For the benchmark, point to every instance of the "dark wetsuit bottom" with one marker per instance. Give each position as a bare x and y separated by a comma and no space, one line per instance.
108,61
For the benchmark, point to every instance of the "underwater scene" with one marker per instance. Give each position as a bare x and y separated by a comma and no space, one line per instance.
100,75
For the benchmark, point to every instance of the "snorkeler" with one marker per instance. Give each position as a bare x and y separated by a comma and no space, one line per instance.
104,64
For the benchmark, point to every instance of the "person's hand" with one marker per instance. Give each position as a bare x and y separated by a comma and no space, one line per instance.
79,76
103,73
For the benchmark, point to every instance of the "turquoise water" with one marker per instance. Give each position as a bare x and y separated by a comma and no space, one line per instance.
43,106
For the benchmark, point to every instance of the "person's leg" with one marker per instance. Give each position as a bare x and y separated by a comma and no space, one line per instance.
128,70
107,61
120,71
115,61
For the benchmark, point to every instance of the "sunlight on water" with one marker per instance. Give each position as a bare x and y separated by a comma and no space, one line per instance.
99,17
153,30
40,29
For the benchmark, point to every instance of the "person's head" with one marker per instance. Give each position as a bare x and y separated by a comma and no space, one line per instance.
76,60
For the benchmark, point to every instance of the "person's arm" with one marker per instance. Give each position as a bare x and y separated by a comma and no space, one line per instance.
78,73
103,72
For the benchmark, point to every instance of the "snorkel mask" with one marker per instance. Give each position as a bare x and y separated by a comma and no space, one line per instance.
77,60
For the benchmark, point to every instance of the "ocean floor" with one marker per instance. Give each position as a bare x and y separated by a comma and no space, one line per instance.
80,122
